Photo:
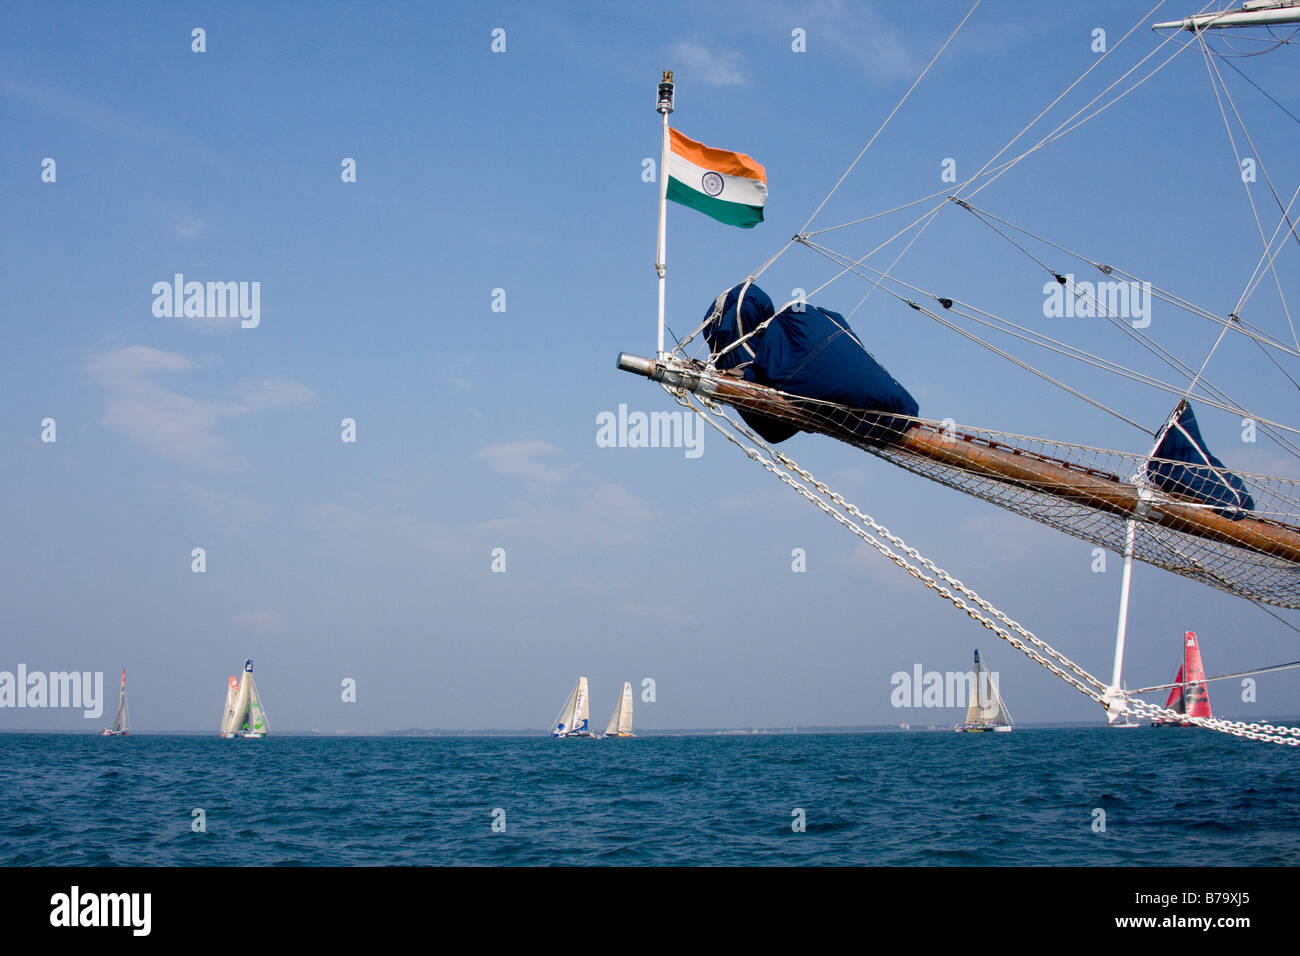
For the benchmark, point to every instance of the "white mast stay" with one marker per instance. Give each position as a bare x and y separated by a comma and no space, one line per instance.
687,381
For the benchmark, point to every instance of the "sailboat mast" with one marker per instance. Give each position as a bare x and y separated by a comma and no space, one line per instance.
665,106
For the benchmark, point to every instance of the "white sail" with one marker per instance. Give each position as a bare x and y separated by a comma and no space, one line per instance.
257,722
995,708
580,718
572,717
986,710
563,722
245,714
239,711
228,715
975,709
620,722
120,722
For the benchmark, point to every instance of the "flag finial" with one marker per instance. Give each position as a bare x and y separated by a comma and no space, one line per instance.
665,104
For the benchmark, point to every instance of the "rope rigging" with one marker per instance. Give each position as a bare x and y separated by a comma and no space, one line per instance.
947,587
1093,494
1216,397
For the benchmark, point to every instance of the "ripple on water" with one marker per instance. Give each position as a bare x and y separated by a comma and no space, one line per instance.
868,799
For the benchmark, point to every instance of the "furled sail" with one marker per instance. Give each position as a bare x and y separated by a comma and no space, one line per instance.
1184,467
807,351
1193,517
620,722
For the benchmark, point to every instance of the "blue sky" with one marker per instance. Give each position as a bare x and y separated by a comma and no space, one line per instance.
476,429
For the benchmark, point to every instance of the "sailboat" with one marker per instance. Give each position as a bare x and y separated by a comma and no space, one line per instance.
986,710
121,723
620,722
1190,695
572,721
244,715
800,367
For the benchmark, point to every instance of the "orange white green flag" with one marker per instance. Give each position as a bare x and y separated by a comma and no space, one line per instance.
728,186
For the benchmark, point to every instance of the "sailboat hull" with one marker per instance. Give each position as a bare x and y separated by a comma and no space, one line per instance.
114,733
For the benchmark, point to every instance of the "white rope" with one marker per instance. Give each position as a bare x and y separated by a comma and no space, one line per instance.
1064,130
1223,403
1268,257
1242,327
928,217
1221,399
952,590
1215,75
1206,680
897,107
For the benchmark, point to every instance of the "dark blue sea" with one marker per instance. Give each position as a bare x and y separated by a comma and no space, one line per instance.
1170,797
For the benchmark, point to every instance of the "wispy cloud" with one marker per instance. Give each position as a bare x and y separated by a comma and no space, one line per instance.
858,34
558,503
100,117
585,514
457,372
526,459
226,510
175,426
709,66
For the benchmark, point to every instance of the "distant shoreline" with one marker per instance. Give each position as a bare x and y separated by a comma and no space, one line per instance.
683,732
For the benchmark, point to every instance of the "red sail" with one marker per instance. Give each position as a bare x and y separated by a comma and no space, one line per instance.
1175,701
1196,695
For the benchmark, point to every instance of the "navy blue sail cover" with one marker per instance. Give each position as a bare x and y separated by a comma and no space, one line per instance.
811,353
1203,477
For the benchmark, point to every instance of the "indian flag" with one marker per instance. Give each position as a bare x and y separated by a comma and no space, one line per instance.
730,187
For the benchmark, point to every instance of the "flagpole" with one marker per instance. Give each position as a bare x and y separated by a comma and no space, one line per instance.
665,106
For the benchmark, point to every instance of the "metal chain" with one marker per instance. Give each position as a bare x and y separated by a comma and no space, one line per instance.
1050,658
